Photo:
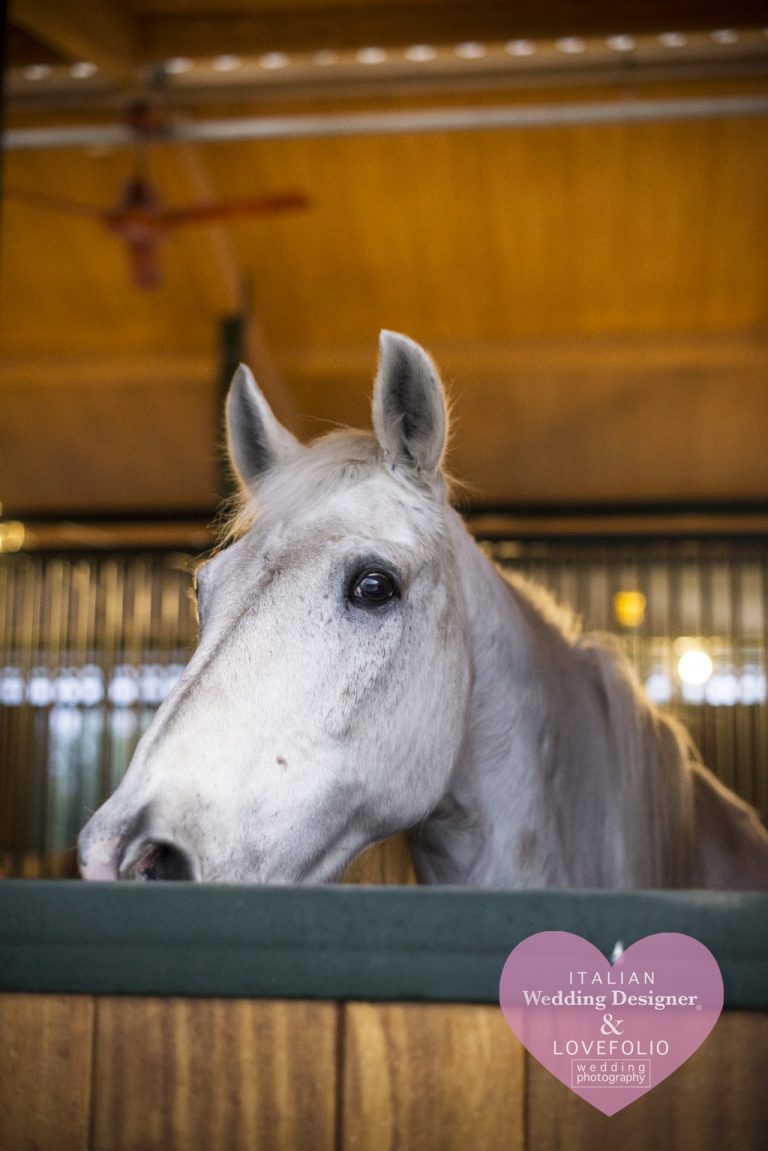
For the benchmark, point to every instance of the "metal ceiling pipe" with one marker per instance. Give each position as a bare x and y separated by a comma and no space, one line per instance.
395,123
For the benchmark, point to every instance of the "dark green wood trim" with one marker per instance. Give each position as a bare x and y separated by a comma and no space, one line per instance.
386,943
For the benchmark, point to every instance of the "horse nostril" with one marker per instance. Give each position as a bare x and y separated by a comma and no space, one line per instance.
160,861
99,859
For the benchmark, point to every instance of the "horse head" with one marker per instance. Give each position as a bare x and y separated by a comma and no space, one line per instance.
326,705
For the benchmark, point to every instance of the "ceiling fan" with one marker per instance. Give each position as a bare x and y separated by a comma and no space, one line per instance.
139,218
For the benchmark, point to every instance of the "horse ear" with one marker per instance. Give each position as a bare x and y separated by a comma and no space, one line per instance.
256,440
409,412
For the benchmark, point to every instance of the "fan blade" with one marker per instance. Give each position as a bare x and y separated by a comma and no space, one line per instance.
56,203
224,209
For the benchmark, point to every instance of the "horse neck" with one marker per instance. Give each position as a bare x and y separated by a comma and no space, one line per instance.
538,798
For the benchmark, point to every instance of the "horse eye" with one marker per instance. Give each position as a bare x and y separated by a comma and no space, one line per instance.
373,589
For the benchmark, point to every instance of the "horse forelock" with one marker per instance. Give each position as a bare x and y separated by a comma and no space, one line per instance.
340,464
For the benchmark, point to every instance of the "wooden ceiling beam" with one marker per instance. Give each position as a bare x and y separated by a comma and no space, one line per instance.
199,33
99,31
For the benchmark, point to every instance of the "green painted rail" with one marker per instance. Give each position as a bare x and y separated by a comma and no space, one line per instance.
341,942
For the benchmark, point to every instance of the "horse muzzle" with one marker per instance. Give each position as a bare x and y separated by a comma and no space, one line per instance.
136,857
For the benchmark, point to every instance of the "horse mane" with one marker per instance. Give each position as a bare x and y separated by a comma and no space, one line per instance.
652,755
649,754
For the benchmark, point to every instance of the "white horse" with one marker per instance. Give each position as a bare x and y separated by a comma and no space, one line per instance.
364,670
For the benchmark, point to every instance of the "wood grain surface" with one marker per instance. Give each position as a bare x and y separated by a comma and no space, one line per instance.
219,1075
430,1077
139,1074
385,863
562,277
45,1072
717,1101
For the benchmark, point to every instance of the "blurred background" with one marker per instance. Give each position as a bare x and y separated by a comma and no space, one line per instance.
567,204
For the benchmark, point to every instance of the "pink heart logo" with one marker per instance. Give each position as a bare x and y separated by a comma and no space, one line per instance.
611,1032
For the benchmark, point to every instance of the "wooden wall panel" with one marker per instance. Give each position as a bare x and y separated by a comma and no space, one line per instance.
137,446
599,419
594,234
385,863
432,1077
45,1072
473,236
716,1102
223,1075
136,1074
508,235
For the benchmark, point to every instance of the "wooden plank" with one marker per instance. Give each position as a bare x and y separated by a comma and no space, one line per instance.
219,1075
715,1102
45,1071
432,1077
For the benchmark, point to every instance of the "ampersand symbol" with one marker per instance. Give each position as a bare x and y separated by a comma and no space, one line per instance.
610,1026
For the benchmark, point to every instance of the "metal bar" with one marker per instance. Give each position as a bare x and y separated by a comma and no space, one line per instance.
395,123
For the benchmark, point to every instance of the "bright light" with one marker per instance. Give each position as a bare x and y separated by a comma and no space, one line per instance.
91,685
658,687
12,535
66,723
11,687
274,60
226,63
694,667
37,72
124,687
570,44
754,688
520,48
621,43
471,50
420,53
67,686
629,608
152,688
40,690
371,55
83,69
723,690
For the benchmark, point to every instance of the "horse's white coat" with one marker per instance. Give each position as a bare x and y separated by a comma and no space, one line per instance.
468,711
